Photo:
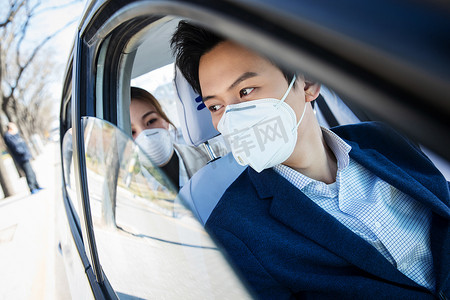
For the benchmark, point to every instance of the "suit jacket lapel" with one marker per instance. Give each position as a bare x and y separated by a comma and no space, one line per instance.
402,180
291,207
440,247
408,184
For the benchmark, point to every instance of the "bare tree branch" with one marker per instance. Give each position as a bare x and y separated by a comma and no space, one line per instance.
24,76
23,67
56,7
14,9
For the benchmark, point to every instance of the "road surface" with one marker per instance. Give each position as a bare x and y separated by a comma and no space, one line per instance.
30,263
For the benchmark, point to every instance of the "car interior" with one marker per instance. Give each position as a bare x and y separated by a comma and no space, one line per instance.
136,211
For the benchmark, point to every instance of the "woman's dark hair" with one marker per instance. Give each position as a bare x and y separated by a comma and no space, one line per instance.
142,95
189,43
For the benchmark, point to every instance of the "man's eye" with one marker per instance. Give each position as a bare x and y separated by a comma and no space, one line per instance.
245,92
214,108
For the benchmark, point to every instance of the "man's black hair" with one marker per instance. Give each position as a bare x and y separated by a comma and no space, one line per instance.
190,43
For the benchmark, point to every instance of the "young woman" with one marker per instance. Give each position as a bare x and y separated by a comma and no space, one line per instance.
150,128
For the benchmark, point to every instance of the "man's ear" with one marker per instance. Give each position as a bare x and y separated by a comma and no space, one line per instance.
312,90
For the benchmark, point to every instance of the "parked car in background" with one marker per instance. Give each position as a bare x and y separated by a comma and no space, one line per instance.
123,231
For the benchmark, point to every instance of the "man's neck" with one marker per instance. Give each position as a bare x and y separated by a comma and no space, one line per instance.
313,158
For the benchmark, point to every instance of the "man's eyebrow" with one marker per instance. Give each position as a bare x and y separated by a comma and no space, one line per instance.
241,78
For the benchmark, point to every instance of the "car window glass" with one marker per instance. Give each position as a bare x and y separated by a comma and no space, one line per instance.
149,244
69,176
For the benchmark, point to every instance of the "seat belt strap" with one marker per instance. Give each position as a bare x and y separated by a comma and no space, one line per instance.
325,109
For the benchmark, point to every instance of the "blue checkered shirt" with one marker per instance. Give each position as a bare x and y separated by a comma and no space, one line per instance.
394,223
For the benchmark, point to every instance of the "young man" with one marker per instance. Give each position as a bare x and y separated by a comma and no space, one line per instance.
356,212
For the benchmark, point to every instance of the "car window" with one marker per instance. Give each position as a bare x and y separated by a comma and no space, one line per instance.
68,168
149,244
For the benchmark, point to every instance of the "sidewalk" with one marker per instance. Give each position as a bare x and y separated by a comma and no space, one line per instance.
27,233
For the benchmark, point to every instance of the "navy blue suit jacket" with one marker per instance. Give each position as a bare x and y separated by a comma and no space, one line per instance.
286,246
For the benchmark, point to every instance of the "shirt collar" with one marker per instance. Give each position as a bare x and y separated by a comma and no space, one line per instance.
340,148
337,145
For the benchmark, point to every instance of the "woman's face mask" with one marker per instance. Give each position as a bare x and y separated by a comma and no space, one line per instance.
157,143
261,133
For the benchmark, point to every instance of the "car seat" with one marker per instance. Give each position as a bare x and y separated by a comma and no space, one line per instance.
205,188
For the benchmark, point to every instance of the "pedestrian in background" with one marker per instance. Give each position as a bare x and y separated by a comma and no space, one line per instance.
21,155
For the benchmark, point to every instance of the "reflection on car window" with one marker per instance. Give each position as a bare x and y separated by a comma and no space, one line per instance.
137,216
69,177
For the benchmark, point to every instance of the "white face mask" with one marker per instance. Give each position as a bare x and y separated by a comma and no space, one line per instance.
157,144
261,133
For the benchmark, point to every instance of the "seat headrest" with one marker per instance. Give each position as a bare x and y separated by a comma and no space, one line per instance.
195,119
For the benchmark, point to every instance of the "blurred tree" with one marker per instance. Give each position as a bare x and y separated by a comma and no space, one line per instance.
24,72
